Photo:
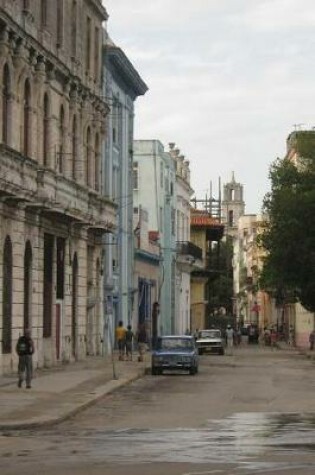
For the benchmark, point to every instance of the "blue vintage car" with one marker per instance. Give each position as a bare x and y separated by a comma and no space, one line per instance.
175,353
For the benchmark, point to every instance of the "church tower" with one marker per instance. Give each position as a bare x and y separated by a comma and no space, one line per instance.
233,205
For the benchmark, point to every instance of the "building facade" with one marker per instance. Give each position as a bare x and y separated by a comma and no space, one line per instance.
52,212
154,190
122,85
233,206
186,252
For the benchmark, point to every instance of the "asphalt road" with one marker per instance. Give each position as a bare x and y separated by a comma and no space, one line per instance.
250,413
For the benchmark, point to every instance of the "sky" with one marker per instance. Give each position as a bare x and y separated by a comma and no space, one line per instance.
228,81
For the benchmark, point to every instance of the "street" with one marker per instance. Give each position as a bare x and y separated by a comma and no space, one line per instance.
249,413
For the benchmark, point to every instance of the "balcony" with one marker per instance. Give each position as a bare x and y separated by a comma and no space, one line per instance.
188,249
22,181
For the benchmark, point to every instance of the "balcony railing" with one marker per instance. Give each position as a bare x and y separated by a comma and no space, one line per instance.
186,248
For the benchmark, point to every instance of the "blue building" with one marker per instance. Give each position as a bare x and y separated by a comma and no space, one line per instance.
122,85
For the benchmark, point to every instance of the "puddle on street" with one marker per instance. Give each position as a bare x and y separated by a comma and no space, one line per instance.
241,439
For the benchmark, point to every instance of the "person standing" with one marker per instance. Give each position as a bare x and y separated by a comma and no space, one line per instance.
129,341
229,339
121,339
25,349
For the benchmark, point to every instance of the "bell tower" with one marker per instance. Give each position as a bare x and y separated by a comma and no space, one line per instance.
233,205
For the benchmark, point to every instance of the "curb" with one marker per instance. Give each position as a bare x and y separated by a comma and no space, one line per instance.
108,388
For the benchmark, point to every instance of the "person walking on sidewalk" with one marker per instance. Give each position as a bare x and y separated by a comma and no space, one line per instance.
25,350
121,339
129,341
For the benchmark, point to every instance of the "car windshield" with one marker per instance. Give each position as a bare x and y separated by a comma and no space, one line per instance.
210,334
175,344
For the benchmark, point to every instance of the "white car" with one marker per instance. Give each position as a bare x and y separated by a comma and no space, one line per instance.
210,341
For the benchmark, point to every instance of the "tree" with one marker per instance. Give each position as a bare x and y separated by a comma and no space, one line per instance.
289,235
220,285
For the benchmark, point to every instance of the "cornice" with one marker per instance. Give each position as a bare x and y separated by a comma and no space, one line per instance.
118,59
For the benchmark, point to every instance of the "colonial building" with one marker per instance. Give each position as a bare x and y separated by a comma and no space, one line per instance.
154,190
122,85
187,254
52,212
146,275
252,305
233,206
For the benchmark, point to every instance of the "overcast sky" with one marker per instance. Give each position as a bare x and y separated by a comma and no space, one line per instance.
227,81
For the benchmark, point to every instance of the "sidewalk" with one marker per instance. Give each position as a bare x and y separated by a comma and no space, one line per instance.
302,351
60,392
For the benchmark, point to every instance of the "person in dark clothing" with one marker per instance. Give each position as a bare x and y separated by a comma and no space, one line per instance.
25,350
129,340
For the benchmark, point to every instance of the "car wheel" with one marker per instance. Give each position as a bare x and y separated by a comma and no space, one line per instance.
221,352
200,352
154,371
196,369
192,371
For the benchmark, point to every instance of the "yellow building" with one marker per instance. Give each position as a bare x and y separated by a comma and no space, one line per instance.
203,230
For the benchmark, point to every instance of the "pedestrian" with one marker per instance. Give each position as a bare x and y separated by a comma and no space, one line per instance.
142,341
187,332
229,339
121,339
196,334
129,341
312,340
25,349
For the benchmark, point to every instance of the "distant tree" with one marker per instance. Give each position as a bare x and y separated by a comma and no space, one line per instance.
289,236
220,285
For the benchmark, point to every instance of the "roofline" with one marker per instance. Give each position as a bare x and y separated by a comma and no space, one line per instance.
120,61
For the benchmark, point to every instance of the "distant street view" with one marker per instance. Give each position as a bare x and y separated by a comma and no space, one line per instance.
157,260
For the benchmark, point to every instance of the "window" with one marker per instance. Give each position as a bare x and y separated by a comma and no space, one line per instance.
74,29
173,221
74,147
96,53
60,158
88,45
27,119
135,176
161,219
5,104
43,13
59,23
46,130
97,163
161,175
88,157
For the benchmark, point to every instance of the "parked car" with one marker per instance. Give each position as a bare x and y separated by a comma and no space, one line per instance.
175,353
210,341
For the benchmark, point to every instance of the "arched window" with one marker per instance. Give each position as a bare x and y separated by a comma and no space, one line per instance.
46,129
7,279
27,285
6,104
74,147
27,119
97,163
60,160
88,157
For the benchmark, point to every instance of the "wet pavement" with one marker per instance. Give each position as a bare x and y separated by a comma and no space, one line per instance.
127,434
